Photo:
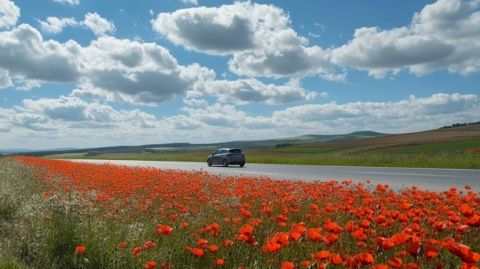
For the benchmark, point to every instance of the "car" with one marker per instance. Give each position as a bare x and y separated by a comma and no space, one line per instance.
227,156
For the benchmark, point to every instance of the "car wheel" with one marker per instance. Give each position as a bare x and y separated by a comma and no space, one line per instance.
242,164
209,163
225,163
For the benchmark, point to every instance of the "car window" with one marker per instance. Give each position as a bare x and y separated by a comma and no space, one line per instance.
224,151
217,152
235,151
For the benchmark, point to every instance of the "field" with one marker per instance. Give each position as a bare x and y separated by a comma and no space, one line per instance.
449,154
57,214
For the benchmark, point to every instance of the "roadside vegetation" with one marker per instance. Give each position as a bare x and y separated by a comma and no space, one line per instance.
58,214
453,154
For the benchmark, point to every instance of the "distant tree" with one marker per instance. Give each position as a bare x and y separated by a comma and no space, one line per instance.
461,124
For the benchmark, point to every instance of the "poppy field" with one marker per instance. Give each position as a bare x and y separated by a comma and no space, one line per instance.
107,216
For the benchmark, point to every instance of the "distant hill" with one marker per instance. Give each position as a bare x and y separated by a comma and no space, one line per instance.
453,133
304,139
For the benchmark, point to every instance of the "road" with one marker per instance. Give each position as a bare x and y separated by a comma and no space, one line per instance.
396,178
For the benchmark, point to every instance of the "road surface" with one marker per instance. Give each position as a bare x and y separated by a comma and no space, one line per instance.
396,178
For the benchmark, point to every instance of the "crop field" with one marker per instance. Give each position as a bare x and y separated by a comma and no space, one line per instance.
59,214
452,154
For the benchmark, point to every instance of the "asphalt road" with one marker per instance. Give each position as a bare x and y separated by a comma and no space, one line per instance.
396,178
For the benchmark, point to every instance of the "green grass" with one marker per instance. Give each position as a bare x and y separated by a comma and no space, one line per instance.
455,146
456,154
40,232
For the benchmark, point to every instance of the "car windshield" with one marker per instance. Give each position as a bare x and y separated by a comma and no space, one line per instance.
235,151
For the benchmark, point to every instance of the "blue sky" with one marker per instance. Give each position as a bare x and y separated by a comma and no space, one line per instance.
80,73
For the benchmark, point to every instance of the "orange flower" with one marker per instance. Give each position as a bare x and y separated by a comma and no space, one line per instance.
198,252
366,258
227,243
122,245
136,251
164,229
431,253
246,230
321,255
395,262
287,265
333,227
213,248
315,234
80,249
150,265
219,262
474,221
336,259
149,244
202,242
305,263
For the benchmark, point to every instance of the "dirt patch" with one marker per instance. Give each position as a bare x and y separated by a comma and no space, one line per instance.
473,150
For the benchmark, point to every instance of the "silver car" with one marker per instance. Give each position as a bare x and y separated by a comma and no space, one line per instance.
225,157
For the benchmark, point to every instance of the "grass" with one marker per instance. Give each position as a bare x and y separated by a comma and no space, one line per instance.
456,154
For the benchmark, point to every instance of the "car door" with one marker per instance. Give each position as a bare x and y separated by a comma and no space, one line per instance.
215,158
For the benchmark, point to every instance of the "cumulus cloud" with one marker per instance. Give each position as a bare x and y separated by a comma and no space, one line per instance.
261,41
54,25
9,13
146,72
244,91
97,24
25,56
405,115
92,21
74,121
73,110
68,2
130,70
190,2
258,36
412,114
125,70
443,35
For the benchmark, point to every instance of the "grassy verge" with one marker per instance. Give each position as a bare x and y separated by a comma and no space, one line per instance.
41,230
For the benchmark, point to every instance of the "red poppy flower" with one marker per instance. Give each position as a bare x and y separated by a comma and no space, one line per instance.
80,249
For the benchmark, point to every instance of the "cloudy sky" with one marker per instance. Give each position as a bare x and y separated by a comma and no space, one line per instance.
83,73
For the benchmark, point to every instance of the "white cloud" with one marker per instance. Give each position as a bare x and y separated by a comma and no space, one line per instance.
130,70
244,91
92,21
137,72
74,112
190,2
98,25
406,115
54,25
258,36
68,2
261,41
9,13
25,57
71,121
443,35
124,70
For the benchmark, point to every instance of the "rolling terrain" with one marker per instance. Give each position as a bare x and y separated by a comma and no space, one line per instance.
456,147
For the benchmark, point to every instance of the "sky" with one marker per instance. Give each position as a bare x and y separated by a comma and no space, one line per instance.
86,73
